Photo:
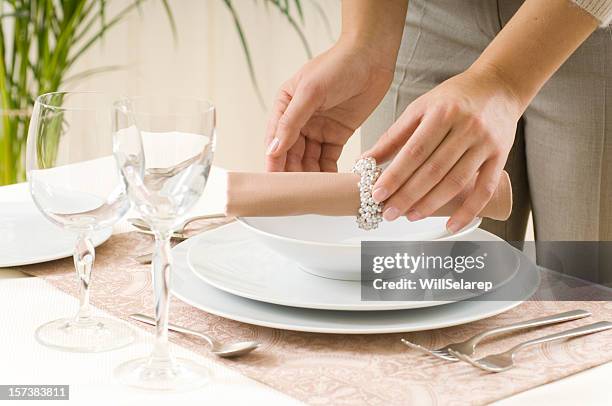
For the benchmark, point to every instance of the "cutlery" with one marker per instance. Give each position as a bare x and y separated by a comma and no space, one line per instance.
144,259
217,348
174,170
174,236
468,346
505,360
143,227
180,229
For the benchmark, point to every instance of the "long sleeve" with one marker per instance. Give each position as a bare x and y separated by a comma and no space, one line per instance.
600,9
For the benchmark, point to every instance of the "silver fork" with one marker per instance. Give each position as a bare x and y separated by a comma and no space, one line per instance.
180,235
144,259
505,360
180,229
175,169
468,346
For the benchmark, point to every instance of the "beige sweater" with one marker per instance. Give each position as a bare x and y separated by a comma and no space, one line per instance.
600,9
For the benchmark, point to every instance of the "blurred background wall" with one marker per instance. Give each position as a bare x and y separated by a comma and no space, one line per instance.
207,61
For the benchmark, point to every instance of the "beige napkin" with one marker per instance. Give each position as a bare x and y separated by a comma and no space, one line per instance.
331,194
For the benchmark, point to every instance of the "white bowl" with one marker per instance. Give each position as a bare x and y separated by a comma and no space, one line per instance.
331,246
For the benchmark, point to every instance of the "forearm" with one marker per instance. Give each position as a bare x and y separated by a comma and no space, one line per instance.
533,45
375,25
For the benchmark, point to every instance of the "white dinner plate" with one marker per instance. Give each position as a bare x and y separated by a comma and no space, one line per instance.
26,237
330,246
232,259
194,291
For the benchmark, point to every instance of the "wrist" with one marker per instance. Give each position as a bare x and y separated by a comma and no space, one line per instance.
501,86
371,48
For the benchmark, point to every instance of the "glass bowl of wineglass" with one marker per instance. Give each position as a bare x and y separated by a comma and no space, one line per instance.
76,184
164,148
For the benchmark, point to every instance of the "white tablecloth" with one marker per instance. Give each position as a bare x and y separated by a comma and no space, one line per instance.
27,302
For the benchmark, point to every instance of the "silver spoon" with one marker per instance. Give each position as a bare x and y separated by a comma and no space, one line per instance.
217,348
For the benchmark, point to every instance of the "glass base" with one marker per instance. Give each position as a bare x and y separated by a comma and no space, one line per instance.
95,335
176,374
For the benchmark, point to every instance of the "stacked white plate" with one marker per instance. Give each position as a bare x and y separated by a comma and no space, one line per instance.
26,237
301,273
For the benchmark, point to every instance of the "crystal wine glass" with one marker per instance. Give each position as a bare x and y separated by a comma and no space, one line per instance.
76,184
164,148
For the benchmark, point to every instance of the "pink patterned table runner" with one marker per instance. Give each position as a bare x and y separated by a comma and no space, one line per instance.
347,369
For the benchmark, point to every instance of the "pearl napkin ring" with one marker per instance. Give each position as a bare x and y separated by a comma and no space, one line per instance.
370,212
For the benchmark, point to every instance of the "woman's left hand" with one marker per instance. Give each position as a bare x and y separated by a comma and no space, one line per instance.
463,128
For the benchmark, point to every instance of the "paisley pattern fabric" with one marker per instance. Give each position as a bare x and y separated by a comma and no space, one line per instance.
347,369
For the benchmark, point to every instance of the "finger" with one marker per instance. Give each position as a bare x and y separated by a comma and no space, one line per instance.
330,153
312,155
280,105
276,163
425,178
302,106
394,138
485,186
451,185
431,173
295,155
417,149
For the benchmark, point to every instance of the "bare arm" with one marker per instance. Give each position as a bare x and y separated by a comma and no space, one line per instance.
375,24
465,127
534,44
321,106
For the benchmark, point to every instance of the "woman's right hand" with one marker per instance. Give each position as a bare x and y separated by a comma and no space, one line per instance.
322,105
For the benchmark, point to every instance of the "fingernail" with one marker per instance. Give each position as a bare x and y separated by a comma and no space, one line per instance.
391,214
452,227
380,194
414,215
273,146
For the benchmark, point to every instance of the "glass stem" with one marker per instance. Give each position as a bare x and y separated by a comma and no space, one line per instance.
162,264
84,256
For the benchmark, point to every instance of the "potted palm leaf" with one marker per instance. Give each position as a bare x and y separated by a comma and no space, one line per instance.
40,40
287,8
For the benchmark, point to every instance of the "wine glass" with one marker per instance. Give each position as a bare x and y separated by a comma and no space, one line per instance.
76,184
164,148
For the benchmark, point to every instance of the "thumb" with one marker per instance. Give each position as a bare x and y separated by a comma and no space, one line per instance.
302,106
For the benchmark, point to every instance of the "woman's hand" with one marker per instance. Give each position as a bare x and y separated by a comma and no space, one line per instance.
463,128
322,105
466,125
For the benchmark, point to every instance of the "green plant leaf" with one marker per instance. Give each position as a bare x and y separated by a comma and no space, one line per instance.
245,48
171,20
94,71
47,38
298,6
284,10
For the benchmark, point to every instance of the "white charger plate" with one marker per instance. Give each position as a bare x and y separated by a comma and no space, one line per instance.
192,290
26,237
232,259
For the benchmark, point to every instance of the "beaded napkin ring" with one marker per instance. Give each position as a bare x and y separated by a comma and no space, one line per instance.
370,212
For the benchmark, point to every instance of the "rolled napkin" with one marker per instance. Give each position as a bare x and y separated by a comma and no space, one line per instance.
255,194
